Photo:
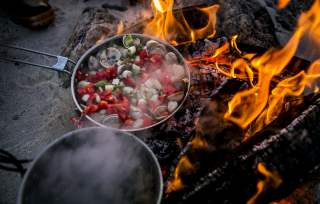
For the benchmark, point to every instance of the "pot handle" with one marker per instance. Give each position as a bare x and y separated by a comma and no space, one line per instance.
9,162
59,66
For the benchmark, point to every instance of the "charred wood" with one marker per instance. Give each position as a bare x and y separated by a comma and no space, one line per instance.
214,139
292,152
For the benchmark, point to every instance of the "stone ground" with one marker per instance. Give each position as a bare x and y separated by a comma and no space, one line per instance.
34,107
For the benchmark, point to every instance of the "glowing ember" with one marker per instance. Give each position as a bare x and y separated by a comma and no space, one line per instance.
176,184
199,143
283,3
272,179
120,28
166,26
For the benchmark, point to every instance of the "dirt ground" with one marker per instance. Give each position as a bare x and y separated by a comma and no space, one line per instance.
34,108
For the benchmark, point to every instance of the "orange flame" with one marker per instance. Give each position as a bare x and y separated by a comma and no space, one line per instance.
176,184
166,26
199,143
283,3
257,106
234,43
185,165
271,179
120,28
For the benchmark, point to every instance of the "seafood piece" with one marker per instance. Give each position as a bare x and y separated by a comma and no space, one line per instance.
85,98
97,98
142,102
127,90
124,52
151,43
172,105
171,58
83,83
160,50
154,98
93,63
136,41
132,50
122,68
135,69
138,123
154,47
135,112
109,57
177,72
115,81
153,83
109,87
125,74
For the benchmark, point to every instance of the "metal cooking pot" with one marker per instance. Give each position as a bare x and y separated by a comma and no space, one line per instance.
93,165
62,62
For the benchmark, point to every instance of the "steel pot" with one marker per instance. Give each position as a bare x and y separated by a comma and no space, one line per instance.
62,63
93,165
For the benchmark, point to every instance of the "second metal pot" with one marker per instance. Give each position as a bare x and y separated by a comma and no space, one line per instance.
96,166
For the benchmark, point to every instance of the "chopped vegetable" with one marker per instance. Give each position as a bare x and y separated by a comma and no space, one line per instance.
127,40
133,82
101,83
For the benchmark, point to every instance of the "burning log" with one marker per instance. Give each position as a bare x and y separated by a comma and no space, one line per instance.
213,141
282,152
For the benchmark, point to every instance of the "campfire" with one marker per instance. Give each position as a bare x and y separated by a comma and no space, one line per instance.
248,129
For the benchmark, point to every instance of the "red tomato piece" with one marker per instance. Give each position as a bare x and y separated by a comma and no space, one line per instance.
165,78
161,98
104,95
92,108
112,109
89,89
129,81
111,73
143,54
103,105
156,58
128,123
108,74
168,89
80,75
147,121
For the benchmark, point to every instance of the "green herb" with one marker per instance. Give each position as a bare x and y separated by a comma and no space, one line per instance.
101,84
127,40
139,47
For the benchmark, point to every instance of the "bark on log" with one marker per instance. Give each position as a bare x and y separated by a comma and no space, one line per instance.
293,153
